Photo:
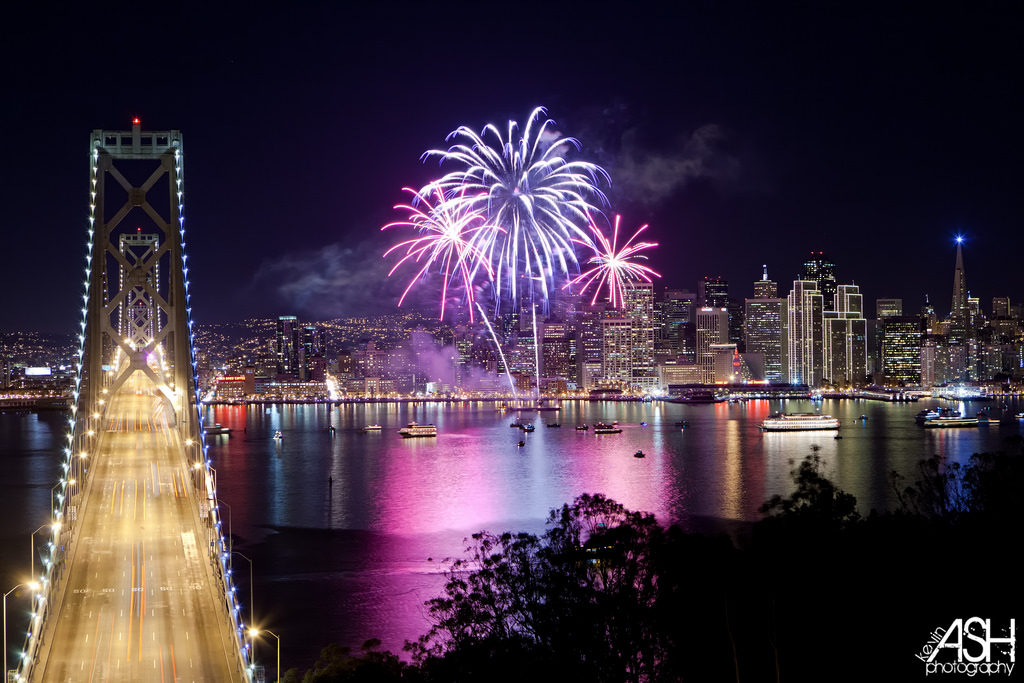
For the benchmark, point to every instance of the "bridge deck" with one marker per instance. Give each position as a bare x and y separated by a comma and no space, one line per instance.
138,603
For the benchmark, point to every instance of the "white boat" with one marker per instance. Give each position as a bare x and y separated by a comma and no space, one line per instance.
217,429
952,421
415,430
372,428
799,422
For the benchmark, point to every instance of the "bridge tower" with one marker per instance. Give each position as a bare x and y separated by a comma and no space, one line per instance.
137,317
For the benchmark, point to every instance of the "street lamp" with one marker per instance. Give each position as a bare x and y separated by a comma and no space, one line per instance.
253,632
235,552
34,586
32,546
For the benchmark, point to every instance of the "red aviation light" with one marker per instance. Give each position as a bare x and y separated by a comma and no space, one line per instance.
136,121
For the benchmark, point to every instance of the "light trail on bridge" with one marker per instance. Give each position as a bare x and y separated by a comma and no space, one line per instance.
139,604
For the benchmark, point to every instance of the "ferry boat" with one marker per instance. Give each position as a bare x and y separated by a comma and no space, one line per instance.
414,430
217,429
951,421
798,422
602,428
372,428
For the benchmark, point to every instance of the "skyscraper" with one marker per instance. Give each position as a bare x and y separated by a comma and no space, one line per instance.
712,328
675,313
805,333
822,270
959,308
617,356
638,306
764,329
846,338
888,307
286,347
713,292
765,288
901,349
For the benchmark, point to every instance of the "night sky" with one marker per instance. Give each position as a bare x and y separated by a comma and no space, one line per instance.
744,134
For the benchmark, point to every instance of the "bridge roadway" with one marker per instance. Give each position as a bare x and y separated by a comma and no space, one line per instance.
138,604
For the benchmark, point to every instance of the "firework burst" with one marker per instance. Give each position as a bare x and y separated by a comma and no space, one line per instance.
523,182
613,265
449,231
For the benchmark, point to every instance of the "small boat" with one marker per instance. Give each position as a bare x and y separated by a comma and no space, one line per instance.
278,434
217,430
1020,416
639,454
863,418
838,436
682,423
602,428
413,430
516,424
521,444
643,424
582,428
528,428
553,424
372,428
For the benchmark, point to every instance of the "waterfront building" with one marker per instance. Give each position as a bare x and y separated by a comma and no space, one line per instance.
805,333
900,350
674,317
286,347
764,329
712,327
638,306
617,351
845,337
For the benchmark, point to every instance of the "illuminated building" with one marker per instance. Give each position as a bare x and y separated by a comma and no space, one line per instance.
805,333
617,353
1000,307
674,323
638,306
885,308
286,346
901,350
845,337
822,270
713,292
712,328
764,329
231,388
765,288
555,359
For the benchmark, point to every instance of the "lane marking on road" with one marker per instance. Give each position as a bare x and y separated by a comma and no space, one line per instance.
95,648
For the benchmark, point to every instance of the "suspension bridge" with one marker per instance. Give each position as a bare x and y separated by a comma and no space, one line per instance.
133,580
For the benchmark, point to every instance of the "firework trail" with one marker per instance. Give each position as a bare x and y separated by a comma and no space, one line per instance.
613,265
523,183
448,233
497,345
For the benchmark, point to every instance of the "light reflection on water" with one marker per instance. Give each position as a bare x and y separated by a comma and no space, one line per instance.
349,530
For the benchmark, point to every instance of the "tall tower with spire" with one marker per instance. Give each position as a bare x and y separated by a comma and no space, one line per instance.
960,310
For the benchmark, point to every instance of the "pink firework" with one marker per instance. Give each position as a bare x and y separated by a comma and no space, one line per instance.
613,265
447,238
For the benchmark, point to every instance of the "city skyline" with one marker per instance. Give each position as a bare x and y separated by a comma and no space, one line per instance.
866,138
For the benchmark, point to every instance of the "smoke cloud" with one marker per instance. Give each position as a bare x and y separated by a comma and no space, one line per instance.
646,176
338,280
